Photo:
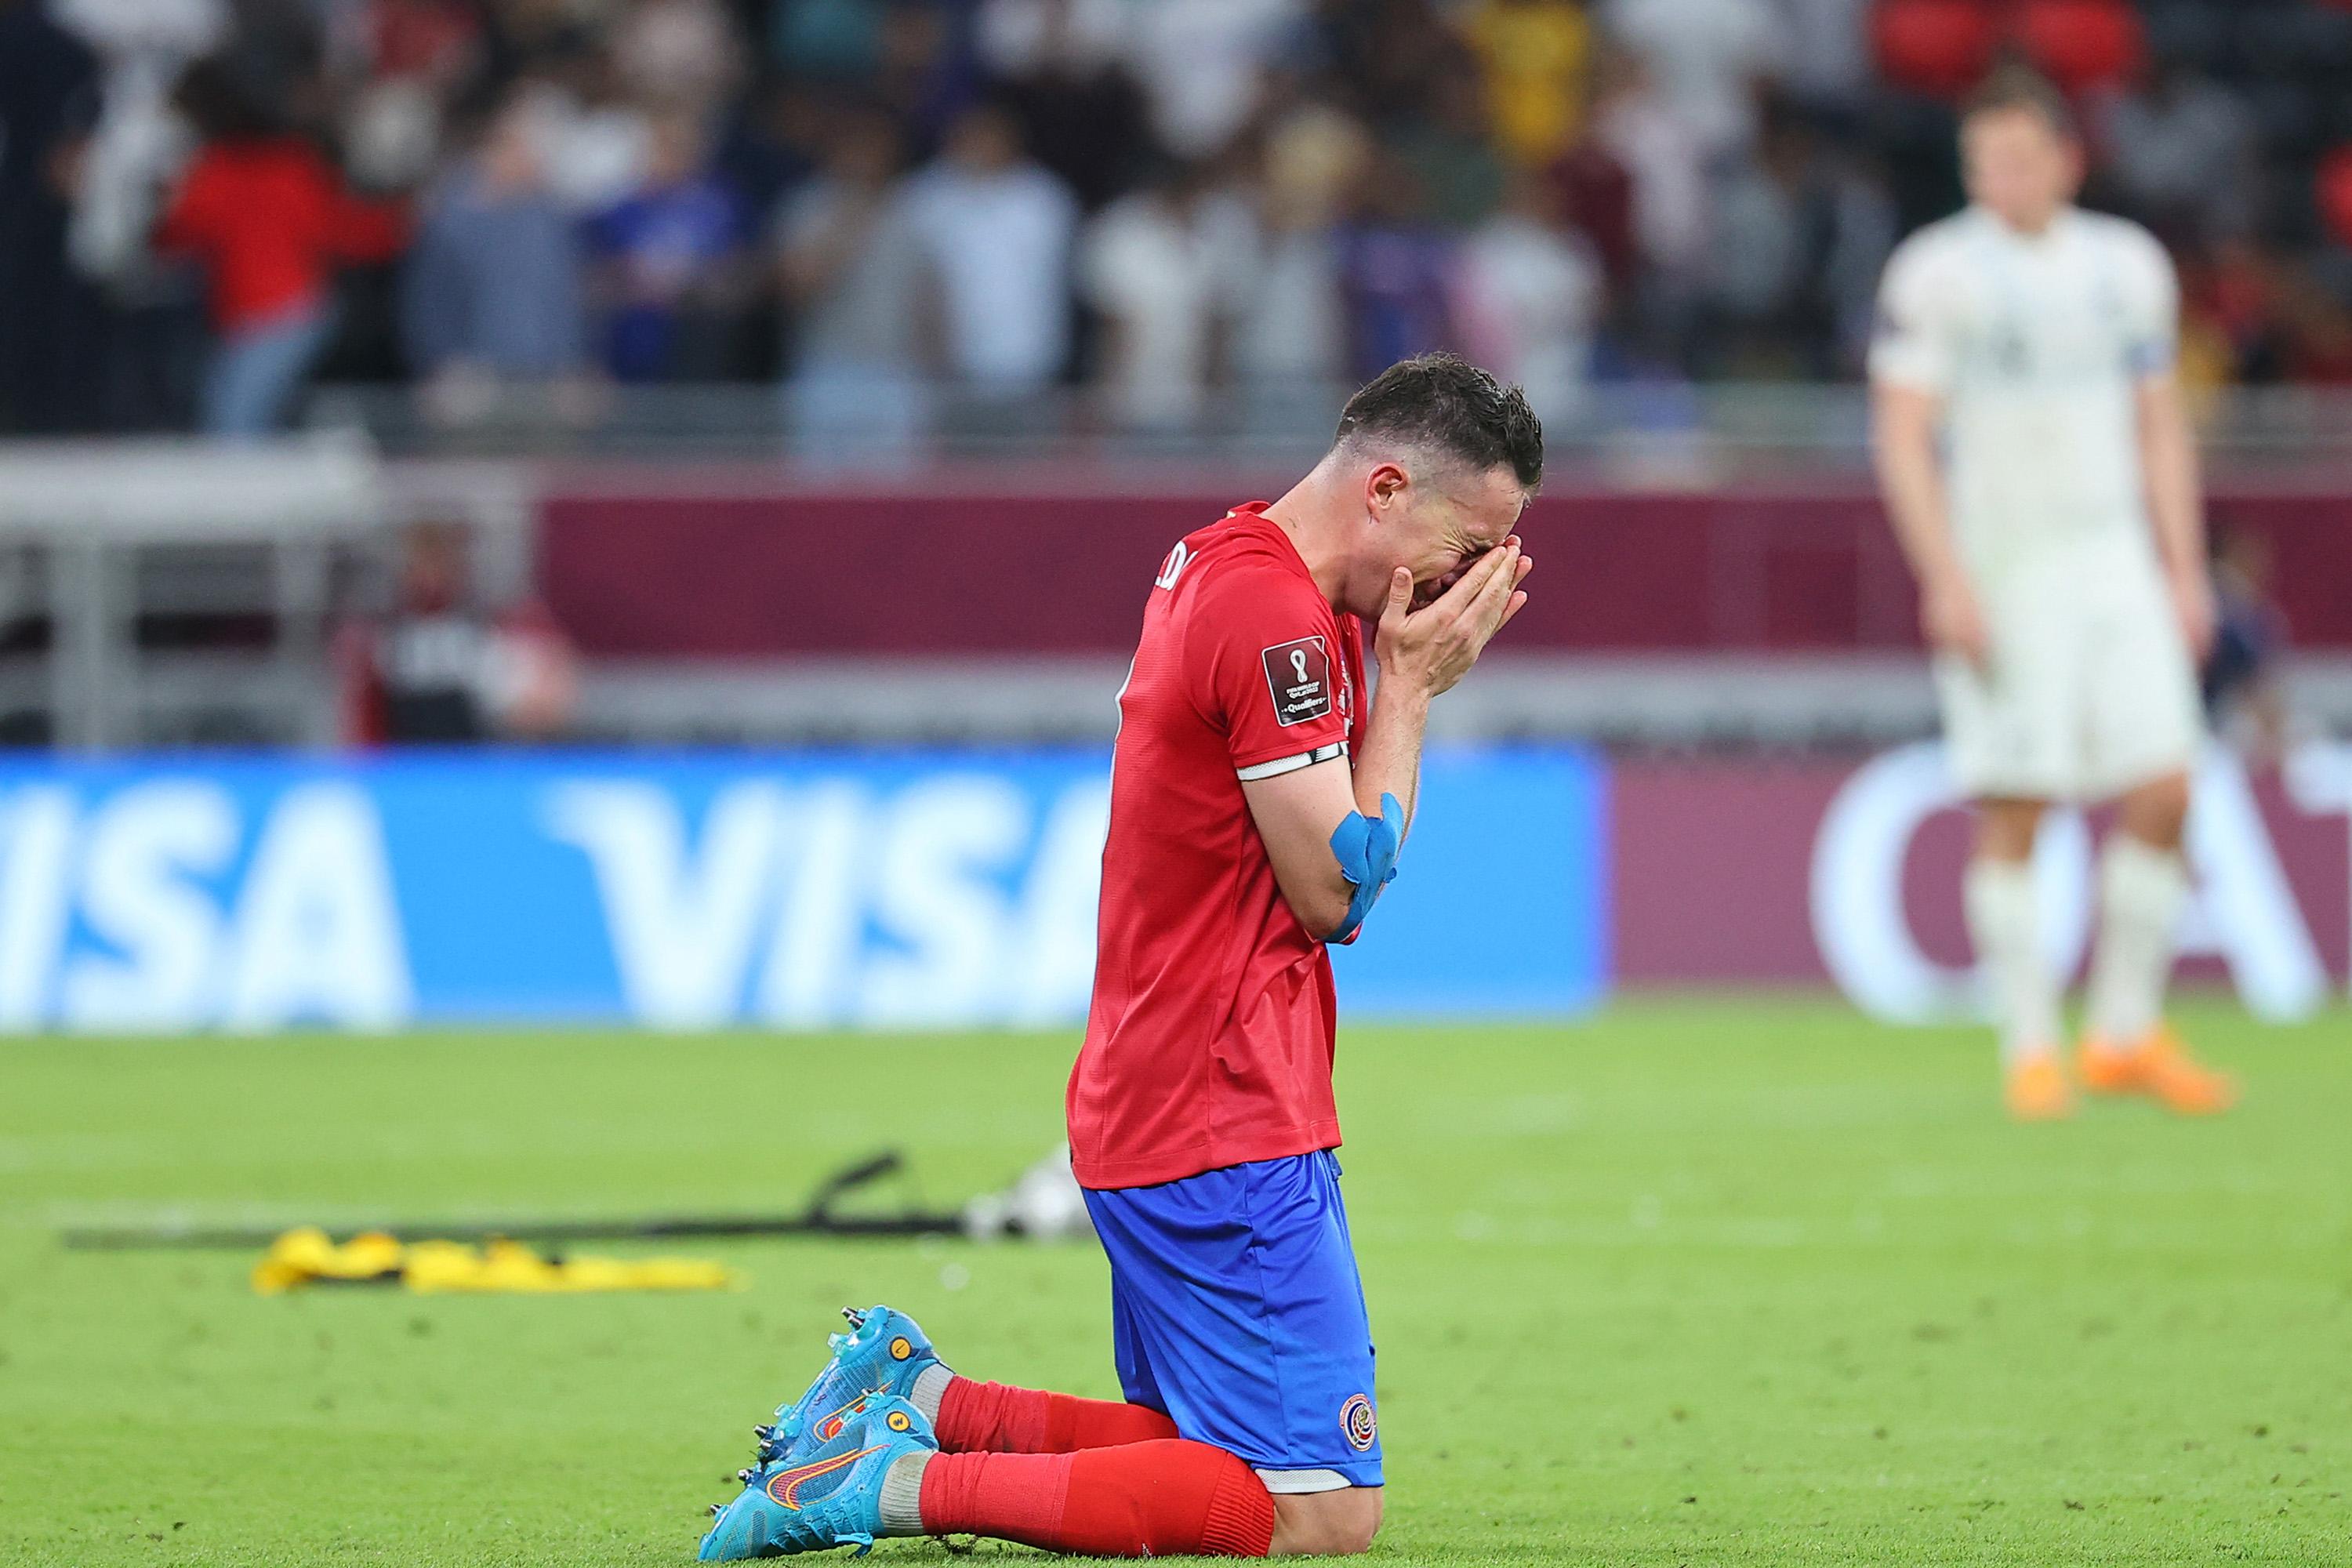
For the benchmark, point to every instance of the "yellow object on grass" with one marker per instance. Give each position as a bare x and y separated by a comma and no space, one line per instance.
445,1266
310,1256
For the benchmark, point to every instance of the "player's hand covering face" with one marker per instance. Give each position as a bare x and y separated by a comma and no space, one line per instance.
1427,594
1440,529
1434,647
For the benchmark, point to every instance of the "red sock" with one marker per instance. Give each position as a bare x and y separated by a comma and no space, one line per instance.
997,1418
1169,1498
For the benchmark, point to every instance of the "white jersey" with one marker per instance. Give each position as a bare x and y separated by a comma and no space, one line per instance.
2036,344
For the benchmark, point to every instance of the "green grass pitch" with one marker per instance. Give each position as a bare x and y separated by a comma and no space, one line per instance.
1728,1282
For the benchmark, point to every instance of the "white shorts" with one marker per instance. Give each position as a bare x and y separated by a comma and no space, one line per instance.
2090,689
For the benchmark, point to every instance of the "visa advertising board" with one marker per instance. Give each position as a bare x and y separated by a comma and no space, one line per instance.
957,890
695,891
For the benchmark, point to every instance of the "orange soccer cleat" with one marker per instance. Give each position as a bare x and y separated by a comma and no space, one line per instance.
2037,1089
2159,1067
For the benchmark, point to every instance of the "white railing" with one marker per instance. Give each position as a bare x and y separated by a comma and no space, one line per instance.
1698,431
101,540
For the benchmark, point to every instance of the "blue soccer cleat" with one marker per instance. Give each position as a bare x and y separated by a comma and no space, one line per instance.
884,1352
831,1498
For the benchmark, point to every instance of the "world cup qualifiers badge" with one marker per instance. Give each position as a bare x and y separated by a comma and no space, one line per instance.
1298,674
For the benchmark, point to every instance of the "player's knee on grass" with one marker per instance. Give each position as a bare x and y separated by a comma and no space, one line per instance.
1325,1524
2154,812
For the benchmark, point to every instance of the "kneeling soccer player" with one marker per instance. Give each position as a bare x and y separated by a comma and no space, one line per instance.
1257,810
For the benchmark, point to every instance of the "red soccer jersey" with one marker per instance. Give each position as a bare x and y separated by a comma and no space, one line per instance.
1210,1040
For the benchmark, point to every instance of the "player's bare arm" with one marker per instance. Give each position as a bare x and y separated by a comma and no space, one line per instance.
2167,455
1903,449
1422,654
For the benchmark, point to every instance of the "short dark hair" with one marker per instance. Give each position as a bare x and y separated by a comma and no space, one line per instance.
1443,401
2012,88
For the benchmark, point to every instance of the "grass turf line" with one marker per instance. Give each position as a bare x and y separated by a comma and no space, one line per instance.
1733,1282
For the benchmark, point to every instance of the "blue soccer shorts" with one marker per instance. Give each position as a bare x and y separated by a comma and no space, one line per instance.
1236,1310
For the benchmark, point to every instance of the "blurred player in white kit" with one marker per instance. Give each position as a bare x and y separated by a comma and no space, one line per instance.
2058,547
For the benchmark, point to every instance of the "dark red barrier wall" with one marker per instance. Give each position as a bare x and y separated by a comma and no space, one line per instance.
760,571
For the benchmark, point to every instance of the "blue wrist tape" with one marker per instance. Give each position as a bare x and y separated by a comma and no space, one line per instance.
1367,852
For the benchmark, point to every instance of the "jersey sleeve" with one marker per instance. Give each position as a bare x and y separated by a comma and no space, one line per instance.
1915,341
2151,307
1262,670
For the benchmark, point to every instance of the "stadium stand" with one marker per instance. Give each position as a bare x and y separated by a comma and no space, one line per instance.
572,199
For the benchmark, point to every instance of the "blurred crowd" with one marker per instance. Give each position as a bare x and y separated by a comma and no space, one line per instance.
1156,204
